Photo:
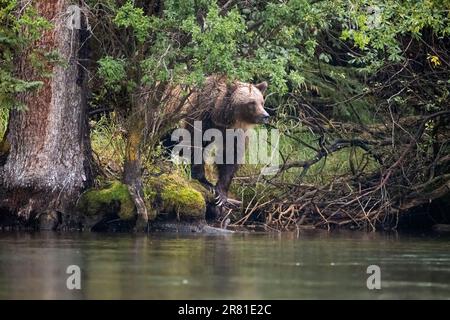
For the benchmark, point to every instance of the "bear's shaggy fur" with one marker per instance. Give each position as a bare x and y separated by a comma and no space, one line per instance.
229,105
222,105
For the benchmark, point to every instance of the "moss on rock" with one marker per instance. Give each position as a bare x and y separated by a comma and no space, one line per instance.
114,197
176,196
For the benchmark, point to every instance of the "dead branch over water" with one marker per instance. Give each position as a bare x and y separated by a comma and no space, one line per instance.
409,174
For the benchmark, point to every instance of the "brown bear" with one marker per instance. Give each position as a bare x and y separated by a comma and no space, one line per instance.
222,105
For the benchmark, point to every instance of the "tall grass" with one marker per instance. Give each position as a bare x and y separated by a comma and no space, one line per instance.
4,115
335,164
108,144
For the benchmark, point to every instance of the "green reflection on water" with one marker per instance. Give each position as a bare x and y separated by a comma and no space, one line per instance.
254,266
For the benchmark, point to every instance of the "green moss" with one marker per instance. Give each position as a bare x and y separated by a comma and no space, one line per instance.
111,198
185,201
174,195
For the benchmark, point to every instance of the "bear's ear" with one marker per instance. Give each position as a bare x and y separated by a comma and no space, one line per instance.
262,86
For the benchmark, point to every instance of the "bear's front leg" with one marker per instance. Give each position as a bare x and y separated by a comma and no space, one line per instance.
226,174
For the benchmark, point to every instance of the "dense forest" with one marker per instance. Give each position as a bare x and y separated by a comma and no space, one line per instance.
357,89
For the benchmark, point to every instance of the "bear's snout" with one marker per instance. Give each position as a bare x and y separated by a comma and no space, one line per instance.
264,118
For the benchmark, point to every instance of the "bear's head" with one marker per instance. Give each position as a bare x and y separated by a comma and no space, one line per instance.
248,103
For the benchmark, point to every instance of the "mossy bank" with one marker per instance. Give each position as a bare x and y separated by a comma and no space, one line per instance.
168,197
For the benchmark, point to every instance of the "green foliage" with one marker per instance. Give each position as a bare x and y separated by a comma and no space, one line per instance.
189,40
19,29
377,32
112,72
129,16
214,49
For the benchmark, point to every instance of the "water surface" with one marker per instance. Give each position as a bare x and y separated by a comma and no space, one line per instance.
252,266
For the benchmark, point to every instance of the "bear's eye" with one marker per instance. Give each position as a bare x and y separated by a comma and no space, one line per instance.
252,104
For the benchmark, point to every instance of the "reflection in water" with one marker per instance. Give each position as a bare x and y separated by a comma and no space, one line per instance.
253,266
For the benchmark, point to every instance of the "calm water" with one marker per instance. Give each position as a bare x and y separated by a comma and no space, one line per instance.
287,266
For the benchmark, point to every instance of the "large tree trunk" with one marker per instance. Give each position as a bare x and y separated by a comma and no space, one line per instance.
48,164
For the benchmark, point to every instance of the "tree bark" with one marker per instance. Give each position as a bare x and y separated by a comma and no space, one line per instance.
48,164
132,169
